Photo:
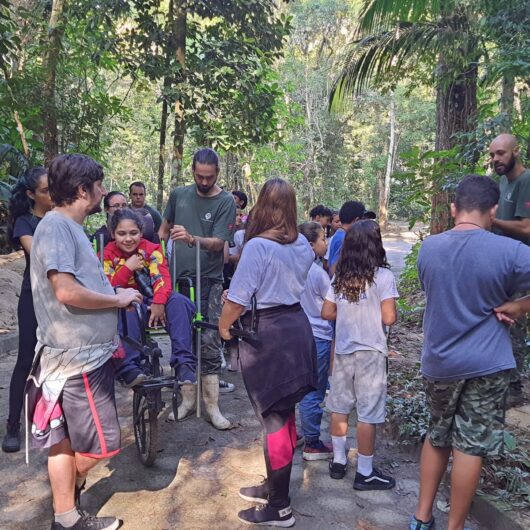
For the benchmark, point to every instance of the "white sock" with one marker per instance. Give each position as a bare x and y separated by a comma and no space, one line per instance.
67,519
339,449
365,464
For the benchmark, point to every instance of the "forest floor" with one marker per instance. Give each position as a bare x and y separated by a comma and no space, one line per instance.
195,480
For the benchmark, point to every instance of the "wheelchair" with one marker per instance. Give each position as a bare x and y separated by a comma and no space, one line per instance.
147,396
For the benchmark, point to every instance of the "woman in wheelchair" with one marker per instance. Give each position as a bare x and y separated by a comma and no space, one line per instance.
132,261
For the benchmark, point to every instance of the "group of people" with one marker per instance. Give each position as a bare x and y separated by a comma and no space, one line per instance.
323,299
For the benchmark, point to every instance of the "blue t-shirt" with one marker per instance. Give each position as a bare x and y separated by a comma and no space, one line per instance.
465,275
336,247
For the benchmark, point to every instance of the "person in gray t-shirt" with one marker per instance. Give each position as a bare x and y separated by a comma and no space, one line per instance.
468,274
71,388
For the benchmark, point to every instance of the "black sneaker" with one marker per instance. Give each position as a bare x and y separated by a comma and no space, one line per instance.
259,493
375,481
133,378
265,515
336,470
11,441
90,522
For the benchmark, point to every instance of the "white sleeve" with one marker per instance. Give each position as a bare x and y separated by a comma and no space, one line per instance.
331,295
386,285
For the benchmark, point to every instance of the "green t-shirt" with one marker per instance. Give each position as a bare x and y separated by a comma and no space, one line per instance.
514,202
203,217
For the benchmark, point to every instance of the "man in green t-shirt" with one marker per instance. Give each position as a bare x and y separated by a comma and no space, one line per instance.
202,212
513,220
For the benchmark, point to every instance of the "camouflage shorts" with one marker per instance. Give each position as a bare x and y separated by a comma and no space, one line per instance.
468,414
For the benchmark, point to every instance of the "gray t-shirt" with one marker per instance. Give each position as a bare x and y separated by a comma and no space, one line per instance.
359,326
203,217
312,300
60,244
275,273
514,202
465,275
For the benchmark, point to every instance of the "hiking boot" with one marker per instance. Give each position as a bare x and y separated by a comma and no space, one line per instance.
336,470
265,515
416,524
225,387
11,441
259,493
375,481
90,522
317,451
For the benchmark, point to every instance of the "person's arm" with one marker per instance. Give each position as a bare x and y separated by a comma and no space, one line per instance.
180,233
329,310
388,311
26,241
230,313
512,310
70,292
163,232
517,227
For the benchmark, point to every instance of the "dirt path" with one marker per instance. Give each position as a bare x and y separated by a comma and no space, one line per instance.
194,482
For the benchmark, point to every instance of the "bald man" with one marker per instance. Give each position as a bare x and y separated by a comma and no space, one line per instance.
513,215
513,220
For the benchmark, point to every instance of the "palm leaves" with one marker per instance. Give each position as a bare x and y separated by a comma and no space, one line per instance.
399,34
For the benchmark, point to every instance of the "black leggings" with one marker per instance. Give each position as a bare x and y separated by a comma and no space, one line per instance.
27,340
279,442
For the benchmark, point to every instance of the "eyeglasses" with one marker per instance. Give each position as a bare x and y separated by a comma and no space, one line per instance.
114,206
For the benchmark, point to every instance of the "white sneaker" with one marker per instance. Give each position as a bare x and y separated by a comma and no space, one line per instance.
225,387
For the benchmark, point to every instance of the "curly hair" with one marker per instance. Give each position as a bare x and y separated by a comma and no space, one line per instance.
361,255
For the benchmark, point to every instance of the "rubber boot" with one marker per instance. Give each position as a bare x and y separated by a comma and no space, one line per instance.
210,395
188,405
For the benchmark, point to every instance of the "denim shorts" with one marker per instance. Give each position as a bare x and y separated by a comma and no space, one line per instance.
359,382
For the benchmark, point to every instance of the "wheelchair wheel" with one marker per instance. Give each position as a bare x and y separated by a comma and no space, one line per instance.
145,429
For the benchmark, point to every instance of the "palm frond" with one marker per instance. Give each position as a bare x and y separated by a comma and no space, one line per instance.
379,15
374,58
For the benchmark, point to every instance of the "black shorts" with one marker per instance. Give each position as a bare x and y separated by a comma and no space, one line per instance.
89,409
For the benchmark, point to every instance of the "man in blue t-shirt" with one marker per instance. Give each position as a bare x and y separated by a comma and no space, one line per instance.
468,275
350,212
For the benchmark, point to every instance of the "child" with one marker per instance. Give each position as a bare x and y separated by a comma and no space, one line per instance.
130,261
316,289
361,298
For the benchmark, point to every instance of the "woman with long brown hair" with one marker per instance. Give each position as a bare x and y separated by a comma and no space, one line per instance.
281,367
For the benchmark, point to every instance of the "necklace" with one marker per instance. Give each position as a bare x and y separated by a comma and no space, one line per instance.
469,223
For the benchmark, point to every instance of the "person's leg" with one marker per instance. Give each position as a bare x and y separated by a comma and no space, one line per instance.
128,368
433,464
62,473
211,355
465,476
179,314
339,430
309,408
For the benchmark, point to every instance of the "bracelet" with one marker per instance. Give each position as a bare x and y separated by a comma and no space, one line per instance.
191,244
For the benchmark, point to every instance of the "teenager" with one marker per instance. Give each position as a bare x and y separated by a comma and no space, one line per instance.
281,368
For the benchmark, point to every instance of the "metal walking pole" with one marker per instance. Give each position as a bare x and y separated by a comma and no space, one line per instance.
101,249
198,293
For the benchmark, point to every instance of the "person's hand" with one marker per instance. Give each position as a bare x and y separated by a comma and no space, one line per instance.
179,233
225,334
224,296
125,297
508,313
157,316
135,263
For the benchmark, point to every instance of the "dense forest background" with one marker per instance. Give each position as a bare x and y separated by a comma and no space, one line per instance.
384,101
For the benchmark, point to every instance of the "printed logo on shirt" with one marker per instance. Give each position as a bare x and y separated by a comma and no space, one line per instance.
207,216
508,197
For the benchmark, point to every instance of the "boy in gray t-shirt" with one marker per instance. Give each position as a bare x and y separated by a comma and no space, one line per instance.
468,274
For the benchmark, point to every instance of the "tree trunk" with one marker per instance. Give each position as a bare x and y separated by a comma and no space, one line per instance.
456,111
507,103
179,34
384,188
50,60
165,111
